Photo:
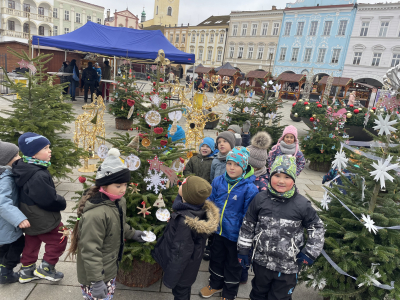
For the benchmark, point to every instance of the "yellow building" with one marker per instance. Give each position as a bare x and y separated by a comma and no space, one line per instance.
166,13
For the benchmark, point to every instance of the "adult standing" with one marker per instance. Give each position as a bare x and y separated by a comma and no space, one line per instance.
98,70
171,77
106,75
73,79
89,80
64,79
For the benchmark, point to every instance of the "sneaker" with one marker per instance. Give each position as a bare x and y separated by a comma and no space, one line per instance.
208,291
206,255
26,274
7,275
47,271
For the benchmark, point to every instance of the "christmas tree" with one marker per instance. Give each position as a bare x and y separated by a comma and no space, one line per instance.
362,219
40,107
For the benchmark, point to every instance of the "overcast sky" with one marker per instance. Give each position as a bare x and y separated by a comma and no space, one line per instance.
195,11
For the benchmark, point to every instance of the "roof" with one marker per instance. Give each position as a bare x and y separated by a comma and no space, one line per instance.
258,74
191,68
228,72
337,81
225,66
319,7
290,77
89,3
202,70
216,21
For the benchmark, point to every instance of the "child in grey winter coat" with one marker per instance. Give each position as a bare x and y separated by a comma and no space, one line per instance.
225,142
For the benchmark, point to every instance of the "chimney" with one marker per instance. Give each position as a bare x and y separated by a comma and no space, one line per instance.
273,7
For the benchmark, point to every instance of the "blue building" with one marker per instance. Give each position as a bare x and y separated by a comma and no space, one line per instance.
315,35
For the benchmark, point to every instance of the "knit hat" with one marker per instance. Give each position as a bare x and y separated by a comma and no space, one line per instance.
228,136
195,190
31,143
292,130
235,128
179,134
239,155
259,149
7,152
209,142
112,170
285,164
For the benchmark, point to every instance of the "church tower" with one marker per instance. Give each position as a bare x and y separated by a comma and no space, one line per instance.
166,12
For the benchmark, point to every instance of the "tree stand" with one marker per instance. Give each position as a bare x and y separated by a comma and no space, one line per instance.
141,274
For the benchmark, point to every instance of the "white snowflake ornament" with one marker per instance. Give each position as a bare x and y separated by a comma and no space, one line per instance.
155,180
384,125
340,161
381,173
325,201
317,282
369,223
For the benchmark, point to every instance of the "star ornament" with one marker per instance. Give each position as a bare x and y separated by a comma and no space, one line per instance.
144,210
155,164
384,125
381,173
325,201
369,223
340,161
23,64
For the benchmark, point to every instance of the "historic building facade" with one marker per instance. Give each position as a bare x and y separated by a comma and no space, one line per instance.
253,39
166,13
177,36
122,19
375,43
315,35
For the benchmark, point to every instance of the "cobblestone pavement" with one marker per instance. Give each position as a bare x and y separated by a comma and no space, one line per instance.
309,182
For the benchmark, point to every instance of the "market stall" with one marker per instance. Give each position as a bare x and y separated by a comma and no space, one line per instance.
228,78
254,78
341,84
363,92
291,85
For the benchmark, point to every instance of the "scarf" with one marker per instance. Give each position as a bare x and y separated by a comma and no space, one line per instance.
31,160
222,157
111,196
233,181
288,149
180,205
260,172
285,195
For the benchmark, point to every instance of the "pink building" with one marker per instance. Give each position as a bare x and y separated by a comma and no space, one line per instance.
122,19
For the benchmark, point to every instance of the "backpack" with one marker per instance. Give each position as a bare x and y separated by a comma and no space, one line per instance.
91,75
75,76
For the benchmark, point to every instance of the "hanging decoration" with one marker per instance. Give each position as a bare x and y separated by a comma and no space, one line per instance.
340,161
155,164
153,118
171,174
159,202
177,165
146,142
175,115
144,210
134,144
135,190
163,214
381,173
155,180
156,100
384,125
149,236
102,151
369,223
325,201
132,162
322,148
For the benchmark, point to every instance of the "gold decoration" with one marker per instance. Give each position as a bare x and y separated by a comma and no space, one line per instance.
135,190
296,115
349,115
146,142
153,118
143,210
189,155
161,60
307,107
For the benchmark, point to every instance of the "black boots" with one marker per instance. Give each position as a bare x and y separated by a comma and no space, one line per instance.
7,275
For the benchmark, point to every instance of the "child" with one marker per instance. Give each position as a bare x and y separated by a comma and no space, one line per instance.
225,143
12,220
40,203
275,222
200,164
232,194
288,144
180,249
96,237
242,136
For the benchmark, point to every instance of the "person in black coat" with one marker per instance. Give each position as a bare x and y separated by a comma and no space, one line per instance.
89,81
179,251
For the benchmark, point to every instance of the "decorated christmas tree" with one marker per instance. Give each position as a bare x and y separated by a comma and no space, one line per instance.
40,107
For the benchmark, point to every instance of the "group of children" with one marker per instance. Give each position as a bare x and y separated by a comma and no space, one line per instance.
245,199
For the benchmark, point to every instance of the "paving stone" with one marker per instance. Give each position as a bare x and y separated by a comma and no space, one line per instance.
156,287
16,291
69,187
70,206
51,292
316,195
314,187
302,186
303,181
70,276
69,195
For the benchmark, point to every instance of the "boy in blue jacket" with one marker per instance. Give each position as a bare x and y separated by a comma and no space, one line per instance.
232,193
12,220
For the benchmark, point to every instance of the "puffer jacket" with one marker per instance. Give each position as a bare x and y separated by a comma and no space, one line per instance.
275,227
102,230
261,182
10,215
180,250
233,201
218,167
300,160
200,166
39,201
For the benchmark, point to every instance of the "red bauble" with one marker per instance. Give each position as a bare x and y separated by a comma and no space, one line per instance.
351,105
181,159
154,83
163,142
319,105
356,111
154,90
317,102
166,135
130,102
374,108
163,105
82,179
166,98
306,103
294,104
158,130
148,77
162,79
131,129
312,119
165,119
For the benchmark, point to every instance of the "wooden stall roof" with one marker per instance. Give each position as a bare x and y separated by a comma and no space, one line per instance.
202,70
257,74
289,77
364,84
337,81
228,72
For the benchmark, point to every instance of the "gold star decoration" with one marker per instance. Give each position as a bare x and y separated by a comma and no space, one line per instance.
66,233
135,190
144,210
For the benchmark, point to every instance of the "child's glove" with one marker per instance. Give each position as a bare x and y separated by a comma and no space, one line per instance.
244,261
303,259
99,290
137,236
246,126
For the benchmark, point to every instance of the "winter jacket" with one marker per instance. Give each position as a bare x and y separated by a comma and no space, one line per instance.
261,182
276,226
89,76
246,138
70,69
102,230
233,202
218,167
180,250
200,166
39,201
10,215
300,160
106,72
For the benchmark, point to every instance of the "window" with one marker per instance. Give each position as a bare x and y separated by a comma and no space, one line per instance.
250,52
98,21
240,53
27,7
55,13
217,22
212,38
41,30
202,38
221,37
183,37
395,60
66,30
41,11
11,25
169,13
200,54
282,57
357,58
300,28
11,4
307,55
26,28
120,25
364,28
192,50
207,22
66,15
271,52
264,29
171,38
88,18
254,29
260,53
276,29
321,55
235,30
327,28
313,28
55,30
384,29
231,52
288,27
335,56
209,54
342,27
78,18
177,38
377,59
219,55
244,29
157,10
295,53
193,37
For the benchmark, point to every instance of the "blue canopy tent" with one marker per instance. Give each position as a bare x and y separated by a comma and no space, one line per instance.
140,45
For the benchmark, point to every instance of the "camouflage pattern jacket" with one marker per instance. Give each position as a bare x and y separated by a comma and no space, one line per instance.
275,228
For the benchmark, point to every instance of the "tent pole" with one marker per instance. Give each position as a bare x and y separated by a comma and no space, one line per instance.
193,82
65,58
115,66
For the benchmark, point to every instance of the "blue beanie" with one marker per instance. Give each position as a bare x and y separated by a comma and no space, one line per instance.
209,142
31,143
179,134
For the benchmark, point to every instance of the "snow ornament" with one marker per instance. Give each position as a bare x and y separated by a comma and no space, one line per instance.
152,118
155,180
149,236
132,162
156,100
317,282
340,161
102,151
384,125
381,173
325,201
369,223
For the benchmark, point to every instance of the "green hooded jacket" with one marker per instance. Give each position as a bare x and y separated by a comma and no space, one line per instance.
199,166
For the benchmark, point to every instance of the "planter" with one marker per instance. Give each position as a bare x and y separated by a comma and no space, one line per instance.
211,125
141,274
320,166
123,124
295,119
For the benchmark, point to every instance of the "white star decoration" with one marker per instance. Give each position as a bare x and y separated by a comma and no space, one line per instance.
340,161
320,283
325,201
381,170
384,125
369,223
277,87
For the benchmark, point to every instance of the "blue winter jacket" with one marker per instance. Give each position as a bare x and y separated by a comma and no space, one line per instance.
10,215
233,202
